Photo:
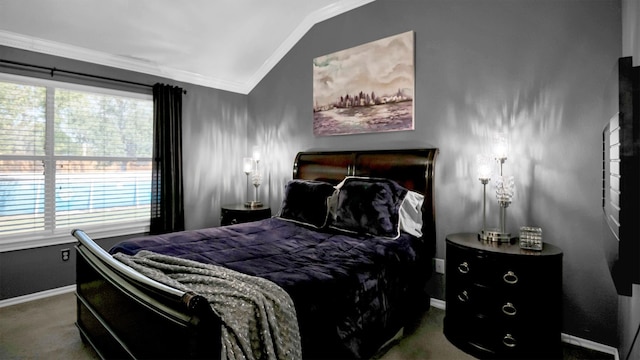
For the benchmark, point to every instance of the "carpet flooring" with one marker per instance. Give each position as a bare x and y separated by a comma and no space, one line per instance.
44,329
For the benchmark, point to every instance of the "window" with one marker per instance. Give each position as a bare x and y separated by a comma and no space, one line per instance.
72,157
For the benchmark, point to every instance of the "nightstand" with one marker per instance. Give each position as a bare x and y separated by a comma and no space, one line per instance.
238,213
503,301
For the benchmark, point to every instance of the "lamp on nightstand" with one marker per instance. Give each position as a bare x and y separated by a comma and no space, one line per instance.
505,187
256,177
247,166
484,175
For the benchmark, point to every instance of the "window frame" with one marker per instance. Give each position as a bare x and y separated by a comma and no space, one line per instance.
56,236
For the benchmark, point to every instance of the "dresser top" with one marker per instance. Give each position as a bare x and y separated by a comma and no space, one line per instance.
243,208
471,240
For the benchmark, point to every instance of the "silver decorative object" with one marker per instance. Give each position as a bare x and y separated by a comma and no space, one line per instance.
505,188
256,180
531,238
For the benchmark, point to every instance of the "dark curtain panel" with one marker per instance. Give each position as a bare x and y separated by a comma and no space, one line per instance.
167,205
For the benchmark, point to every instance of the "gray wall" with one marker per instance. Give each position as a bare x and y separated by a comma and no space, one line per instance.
541,70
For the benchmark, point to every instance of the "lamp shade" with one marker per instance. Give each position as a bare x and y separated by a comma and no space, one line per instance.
483,161
247,165
501,146
255,153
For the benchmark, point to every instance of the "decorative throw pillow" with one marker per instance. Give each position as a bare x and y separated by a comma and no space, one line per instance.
367,206
305,202
411,213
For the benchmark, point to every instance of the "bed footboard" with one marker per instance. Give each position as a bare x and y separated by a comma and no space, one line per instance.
124,314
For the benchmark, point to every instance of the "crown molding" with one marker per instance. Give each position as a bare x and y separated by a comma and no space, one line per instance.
29,43
307,23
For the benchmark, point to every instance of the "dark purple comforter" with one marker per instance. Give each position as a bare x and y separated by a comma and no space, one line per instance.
351,293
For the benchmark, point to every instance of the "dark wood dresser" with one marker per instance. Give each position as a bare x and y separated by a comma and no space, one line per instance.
503,301
238,213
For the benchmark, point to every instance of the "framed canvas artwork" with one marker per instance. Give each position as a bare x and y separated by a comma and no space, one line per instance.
365,89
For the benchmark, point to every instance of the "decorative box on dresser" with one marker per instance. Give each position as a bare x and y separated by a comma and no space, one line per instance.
503,301
239,213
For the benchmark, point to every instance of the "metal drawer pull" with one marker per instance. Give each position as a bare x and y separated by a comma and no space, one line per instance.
510,277
509,309
509,341
464,267
463,296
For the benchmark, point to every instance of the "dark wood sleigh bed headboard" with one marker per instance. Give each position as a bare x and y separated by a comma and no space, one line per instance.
411,168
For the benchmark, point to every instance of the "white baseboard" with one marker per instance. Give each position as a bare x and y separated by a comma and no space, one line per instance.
588,344
36,296
569,339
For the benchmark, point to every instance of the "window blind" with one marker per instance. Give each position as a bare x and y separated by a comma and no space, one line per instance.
72,157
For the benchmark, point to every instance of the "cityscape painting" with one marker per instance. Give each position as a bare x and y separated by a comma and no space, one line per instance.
364,89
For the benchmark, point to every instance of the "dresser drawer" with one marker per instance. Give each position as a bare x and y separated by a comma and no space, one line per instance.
487,269
499,306
503,302
509,340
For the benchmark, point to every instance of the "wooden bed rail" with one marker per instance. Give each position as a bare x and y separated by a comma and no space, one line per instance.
153,320
124,270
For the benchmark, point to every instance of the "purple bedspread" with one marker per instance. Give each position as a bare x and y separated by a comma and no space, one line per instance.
351,293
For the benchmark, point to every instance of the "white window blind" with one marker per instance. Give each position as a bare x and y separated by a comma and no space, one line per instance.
72,157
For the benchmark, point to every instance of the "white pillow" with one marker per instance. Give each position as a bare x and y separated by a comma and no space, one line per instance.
411,213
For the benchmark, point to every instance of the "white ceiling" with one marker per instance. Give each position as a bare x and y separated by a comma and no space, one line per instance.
224,44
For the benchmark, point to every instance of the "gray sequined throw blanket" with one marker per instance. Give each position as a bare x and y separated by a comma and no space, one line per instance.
259,318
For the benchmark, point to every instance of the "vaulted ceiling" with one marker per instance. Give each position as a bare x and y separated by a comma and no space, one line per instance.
224,44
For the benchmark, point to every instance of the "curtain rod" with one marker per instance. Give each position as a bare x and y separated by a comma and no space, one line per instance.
53,70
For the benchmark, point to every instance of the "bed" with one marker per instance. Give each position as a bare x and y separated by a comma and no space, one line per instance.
353,289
